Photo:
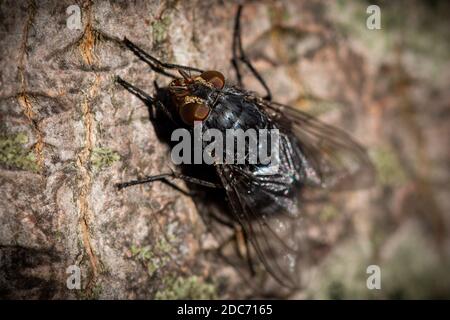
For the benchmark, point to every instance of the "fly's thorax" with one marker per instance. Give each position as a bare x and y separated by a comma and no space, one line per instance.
233,111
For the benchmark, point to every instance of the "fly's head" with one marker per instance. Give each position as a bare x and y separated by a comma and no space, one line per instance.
190,93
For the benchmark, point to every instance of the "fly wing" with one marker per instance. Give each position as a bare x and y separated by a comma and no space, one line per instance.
324,157
338,162
274,237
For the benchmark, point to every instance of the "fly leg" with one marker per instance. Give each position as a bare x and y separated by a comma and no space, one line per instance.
239,55
155,64
164,176
244,249
147,99
240,245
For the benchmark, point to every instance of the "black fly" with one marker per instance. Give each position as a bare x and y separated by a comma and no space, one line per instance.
312,155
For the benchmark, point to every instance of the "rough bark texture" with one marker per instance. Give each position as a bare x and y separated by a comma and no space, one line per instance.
68,133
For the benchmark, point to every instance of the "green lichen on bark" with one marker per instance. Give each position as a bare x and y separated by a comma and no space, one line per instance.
160,29
14,153
103,157
389,168
191,287
154,257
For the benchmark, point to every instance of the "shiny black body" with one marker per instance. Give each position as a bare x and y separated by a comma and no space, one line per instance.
234,108
266,208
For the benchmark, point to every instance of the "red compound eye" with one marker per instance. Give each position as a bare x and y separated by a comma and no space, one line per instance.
214,77
193,112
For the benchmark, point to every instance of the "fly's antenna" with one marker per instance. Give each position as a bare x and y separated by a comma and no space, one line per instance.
184,74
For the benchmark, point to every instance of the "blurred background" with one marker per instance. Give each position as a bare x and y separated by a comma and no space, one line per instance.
68,133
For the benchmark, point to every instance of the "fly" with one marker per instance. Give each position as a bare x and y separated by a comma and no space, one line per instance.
266,207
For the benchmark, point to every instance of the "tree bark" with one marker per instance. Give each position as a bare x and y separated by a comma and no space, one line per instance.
69,133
